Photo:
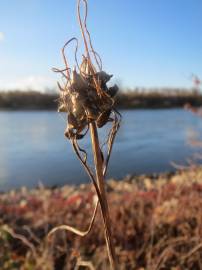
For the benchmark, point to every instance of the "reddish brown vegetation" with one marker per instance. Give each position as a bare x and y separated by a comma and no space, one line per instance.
157,224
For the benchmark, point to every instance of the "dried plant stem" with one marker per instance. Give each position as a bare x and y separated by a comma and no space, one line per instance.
100,182
22,238
74,230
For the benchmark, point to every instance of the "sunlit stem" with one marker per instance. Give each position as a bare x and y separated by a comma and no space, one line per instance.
100,182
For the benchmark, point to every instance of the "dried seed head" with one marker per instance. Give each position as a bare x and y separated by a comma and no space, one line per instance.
85,69
86,96
112,91
103,76
78,83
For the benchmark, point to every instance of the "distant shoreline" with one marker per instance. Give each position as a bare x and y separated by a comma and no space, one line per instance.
136,99
55,109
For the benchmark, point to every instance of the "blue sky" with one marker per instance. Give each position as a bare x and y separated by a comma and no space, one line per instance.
144,43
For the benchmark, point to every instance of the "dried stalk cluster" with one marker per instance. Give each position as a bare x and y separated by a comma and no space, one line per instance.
83,102
89,103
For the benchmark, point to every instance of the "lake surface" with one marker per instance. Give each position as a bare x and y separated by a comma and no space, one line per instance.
33,148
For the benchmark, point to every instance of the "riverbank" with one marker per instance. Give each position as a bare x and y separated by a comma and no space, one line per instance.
156,220
133,99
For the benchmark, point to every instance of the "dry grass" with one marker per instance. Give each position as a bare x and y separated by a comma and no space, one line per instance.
157,224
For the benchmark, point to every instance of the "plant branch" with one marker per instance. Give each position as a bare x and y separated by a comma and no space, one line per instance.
100,182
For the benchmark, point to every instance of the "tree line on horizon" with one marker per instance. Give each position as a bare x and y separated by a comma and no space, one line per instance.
126,99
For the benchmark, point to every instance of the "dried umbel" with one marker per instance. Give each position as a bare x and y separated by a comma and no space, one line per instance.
86,98
89,104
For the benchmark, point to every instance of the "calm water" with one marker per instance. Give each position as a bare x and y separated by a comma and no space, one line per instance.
33,148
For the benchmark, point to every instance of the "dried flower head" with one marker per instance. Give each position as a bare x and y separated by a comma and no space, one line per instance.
85,95
86,98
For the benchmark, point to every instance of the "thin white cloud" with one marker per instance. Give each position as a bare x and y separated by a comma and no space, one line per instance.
2,36
38,83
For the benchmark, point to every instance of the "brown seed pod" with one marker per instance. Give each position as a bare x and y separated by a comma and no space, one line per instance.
103,118
78,83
